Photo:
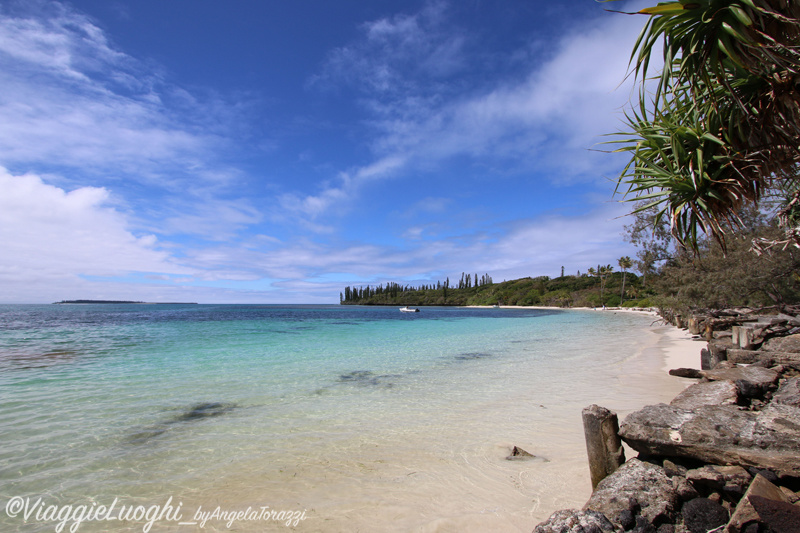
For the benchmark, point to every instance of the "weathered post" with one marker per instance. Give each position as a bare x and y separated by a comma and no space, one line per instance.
603,445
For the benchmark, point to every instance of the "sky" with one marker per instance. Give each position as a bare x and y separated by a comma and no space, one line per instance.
264,151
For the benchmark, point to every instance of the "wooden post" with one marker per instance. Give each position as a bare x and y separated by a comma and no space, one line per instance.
603,445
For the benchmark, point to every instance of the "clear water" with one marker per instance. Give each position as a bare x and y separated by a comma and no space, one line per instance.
363,418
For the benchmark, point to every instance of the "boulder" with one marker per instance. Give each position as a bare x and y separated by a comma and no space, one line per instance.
788,393
787,359
719,434
751,381
706,361
574,521
684,489
707,393
744,357
791,497
764,358
673,469
640,488
702,515
692,373
767,474
716,351
736,478
766,505
732,480
790,343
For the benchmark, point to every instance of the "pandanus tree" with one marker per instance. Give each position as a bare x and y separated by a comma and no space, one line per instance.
719,126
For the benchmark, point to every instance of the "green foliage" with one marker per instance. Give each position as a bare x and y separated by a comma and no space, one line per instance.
723,125
710,277
650,235
644,302
738,277
564,291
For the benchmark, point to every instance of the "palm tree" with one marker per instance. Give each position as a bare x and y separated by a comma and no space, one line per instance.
723,126
625,263
603,272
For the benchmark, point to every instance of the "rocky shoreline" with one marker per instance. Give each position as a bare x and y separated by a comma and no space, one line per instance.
722,456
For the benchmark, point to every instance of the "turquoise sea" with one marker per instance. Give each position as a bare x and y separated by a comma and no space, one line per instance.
306,418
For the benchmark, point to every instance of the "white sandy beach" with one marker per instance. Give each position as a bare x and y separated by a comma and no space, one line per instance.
443,480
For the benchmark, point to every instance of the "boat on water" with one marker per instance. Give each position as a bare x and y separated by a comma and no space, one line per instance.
409,310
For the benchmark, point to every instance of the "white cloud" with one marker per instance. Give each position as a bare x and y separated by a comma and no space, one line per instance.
69,98
347,187
58,43
211,219
547,121
399,54
530,247
47,233
53,240
553,116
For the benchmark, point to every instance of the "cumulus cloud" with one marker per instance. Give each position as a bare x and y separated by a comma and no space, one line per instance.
56,239
47,233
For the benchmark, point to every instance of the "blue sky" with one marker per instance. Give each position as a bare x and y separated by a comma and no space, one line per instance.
274,152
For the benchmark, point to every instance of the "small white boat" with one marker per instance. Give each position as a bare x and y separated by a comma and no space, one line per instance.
409,310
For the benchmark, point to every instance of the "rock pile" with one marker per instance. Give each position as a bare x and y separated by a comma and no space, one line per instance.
723,456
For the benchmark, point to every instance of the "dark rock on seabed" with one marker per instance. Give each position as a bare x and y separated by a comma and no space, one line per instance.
195,412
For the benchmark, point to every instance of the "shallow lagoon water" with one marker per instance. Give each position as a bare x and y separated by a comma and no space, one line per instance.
362,418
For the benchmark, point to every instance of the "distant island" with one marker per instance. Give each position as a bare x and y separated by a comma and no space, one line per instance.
120,302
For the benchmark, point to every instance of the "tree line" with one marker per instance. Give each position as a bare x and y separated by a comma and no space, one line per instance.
712,275
597,286
392,292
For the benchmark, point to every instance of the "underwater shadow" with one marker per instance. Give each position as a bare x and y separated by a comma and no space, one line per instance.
193,413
